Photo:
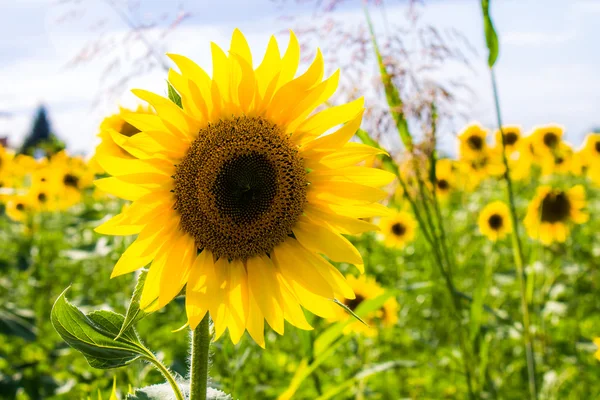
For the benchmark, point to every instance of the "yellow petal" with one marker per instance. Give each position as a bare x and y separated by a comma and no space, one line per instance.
179,263
290,61
238,300
322,240
255,323
121,189
361,175
289,260
262,279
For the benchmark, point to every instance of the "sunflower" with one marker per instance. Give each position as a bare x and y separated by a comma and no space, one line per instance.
6,158
18,207
512,137
239,194
114,131
494,221
546,139
475,170
472,142
590,153
552,210
398,229
70,177
445,178
559,162
365,288
597,343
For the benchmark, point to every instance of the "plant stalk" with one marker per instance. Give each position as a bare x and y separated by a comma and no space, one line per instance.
517,252
199,364
165,372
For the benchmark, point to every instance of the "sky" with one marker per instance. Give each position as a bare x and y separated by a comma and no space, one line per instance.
547,70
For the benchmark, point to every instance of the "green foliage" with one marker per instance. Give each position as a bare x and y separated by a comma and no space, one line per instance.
173,95
491,38
94,335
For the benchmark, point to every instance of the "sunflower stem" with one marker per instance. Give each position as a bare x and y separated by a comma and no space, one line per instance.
517,252
199,364
168,376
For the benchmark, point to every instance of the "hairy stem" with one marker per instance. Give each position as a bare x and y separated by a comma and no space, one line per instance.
199,365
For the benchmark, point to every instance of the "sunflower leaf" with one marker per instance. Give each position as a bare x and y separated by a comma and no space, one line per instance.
173,95
491,38
349,311
92,334
134,312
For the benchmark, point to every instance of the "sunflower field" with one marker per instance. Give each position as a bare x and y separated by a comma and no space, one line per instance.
240,236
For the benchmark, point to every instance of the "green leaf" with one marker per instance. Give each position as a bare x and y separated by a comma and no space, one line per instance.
93,335
332,333
17,322
134,312
392,94
491,38
173,95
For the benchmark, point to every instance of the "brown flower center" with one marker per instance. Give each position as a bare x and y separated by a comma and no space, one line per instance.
550,139
355,302
475,142
597,146
240,188
42,197
510,138
495,221
20,206
71,180
555,207
398,229
443,184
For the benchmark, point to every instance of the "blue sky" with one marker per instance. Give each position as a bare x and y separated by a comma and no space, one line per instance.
547,71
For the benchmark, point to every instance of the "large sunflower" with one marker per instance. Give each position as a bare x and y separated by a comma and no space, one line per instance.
494,221
240,193
365,288
552,210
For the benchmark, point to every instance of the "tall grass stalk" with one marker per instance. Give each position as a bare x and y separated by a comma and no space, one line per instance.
429,220
517,252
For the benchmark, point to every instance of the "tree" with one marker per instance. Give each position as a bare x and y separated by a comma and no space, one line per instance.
41,136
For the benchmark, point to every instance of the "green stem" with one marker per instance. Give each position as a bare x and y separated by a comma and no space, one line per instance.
199,367
165,372
517,253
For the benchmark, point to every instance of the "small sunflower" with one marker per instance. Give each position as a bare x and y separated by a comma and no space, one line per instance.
18,207
70,177
494,221
472,142
559,162
597,343
552,210
398,229
547,138
240,193
365,288
512,137
475,170
590,152
445,178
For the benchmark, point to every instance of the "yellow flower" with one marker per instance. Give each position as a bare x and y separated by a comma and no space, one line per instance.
512,137
597,343
238,194
494,221
488,164
398,229
70,176
552,210
590,153
472,142
445,178
114,132
559,162
365,288
546,138
18,207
